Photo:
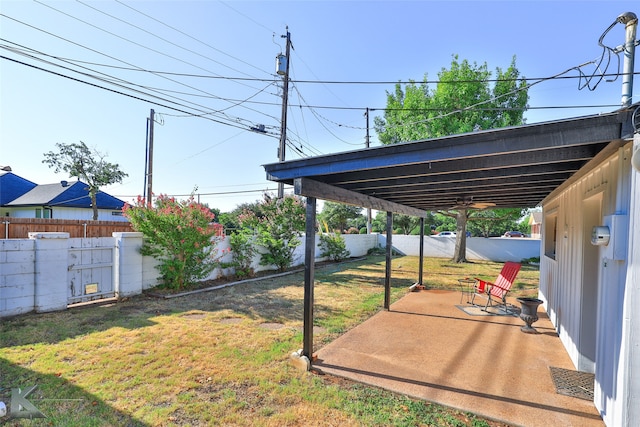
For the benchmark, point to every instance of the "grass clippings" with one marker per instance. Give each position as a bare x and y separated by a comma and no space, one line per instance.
220,357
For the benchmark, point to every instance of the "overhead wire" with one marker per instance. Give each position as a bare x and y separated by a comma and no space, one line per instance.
318,117
119,60
111,57
247,17
123,85
113,90
304,105
131,41
193,38
75,61
302,142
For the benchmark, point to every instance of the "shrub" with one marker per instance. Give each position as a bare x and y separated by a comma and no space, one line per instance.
242,253
333,247
277,230
178,234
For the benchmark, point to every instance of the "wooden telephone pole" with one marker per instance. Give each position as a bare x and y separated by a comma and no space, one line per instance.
285,101
369,219
149,171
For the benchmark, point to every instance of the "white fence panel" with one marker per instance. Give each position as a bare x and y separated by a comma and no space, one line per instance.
91,269
478,248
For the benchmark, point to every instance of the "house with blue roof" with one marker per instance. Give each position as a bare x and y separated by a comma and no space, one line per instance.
20,198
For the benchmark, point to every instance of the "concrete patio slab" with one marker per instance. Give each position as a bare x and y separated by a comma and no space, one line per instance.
425,347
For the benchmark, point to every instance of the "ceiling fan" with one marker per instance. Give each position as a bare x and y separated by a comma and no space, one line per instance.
468,203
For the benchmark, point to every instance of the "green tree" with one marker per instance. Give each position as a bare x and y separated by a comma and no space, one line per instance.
379,222
180,235
231,221
491,222
444,222
278,229
87,165
338,215
405,223
464,100
359,223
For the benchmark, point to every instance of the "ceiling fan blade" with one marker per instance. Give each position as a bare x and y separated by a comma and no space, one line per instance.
482,205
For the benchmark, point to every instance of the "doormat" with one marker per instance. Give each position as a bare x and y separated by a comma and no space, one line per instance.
573,383
474,310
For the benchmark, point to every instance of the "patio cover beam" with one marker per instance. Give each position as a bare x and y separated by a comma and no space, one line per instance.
310,188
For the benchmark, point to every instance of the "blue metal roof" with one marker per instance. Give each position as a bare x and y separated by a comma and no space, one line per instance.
72,195
13,186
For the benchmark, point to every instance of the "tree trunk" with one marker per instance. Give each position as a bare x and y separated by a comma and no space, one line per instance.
94,205
460,252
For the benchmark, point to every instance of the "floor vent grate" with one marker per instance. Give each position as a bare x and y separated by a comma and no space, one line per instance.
573,383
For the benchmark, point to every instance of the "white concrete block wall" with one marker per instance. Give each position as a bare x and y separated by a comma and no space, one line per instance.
51,261
478,248
223,255
128,264
150,273
359,244
17,270
33,273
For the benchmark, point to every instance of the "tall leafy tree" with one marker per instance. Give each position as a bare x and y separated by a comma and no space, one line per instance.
405,223
337,215
87,165
490,222
467,98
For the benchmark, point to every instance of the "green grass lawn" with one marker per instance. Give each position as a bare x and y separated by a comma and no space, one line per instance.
220,357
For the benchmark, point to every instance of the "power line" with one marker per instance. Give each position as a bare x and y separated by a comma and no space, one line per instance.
114,91
126,39
248,17
161,38
211,194
271,82
122,83
346,82
124,62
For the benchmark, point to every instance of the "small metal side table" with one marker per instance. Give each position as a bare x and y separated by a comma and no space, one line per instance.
466,287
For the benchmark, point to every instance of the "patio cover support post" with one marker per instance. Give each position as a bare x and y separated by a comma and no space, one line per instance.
421,262
309,266
387,271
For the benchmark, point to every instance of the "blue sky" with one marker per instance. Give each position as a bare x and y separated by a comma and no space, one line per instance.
228,51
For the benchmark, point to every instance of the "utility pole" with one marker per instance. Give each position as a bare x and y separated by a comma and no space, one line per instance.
149,174
366,140
285,101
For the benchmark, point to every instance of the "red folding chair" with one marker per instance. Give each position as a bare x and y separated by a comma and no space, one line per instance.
497,291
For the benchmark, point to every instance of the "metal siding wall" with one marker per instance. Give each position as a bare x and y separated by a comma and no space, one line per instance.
561,283
629,374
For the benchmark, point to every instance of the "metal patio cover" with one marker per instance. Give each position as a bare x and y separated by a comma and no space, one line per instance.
504,168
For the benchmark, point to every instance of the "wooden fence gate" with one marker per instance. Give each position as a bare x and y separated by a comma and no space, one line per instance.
91,269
